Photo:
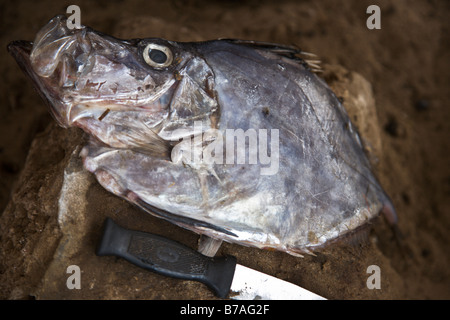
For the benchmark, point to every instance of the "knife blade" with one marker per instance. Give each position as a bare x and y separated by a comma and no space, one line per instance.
221,274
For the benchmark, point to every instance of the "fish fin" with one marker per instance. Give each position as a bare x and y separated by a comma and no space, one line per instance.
390,216
155,148
149,142
307,59
175,218
355,239
389,212
358,238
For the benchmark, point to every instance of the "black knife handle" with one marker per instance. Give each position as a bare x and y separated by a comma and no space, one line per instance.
167,257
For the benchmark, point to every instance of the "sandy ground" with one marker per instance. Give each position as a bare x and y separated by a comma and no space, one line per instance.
407,62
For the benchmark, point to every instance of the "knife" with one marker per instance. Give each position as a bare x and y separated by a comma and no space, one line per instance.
221,274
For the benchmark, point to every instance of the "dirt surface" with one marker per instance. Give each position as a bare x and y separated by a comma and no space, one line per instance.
407,63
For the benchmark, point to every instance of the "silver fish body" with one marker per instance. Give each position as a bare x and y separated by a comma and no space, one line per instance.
157,109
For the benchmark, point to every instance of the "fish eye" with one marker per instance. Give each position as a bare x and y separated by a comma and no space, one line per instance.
157,56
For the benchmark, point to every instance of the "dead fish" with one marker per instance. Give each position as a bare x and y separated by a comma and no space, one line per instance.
286,168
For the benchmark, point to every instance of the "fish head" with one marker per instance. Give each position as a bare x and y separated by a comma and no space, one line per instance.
126,93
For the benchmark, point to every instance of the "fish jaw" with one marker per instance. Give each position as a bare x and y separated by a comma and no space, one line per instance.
46,61
21,50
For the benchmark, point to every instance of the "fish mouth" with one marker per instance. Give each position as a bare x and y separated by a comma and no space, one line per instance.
41,59
54,61
21,51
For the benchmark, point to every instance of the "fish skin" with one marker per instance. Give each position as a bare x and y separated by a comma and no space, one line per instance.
135,115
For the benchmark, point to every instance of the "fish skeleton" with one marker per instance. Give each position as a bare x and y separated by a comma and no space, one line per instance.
236,140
